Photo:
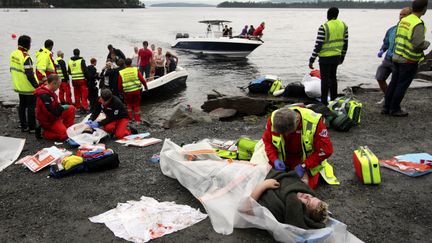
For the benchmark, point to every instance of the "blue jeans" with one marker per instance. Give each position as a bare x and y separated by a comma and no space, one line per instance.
145,70
403,74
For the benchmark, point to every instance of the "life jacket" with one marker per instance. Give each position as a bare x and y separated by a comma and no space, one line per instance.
131,81
403,40
310,121
19,79
75,69
334,38
60,71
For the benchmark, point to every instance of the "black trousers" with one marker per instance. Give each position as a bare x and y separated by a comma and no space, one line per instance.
403,75
328,81
26,111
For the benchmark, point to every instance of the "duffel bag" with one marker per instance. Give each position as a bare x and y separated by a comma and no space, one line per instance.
245,148
101,164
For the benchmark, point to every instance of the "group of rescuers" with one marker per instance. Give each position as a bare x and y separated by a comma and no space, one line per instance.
296,141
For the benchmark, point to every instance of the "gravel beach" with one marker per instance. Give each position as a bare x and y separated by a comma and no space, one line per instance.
35,208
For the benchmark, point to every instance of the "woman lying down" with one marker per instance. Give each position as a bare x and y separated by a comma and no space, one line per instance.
290,200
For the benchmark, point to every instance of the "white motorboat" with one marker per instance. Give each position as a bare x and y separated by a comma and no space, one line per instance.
213,43
169,82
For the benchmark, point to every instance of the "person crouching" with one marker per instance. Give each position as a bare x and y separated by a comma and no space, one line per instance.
129,82
116,121
53,118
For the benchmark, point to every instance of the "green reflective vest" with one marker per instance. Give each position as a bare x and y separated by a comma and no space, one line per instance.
43,61
75,69
334,38
403,40
310,121
19,79
59,69
131,81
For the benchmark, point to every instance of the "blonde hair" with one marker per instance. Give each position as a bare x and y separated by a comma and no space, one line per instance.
320,213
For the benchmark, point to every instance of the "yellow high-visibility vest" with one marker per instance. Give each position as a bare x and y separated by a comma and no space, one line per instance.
59,69
310,121
403,39
19,79
75,69
131,81
334,38
43,61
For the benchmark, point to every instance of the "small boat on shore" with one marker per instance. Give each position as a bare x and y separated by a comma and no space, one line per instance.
213,43
170,82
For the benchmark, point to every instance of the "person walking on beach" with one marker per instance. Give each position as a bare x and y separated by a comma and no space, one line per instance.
145,57
24,83
45,64
65,94
129,82
78,70
409,46
386,68
53,117
331,46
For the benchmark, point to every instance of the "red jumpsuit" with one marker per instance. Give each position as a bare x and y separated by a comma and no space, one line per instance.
52,117
133,99
322,149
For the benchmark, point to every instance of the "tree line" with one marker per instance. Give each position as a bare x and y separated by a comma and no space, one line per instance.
319,4
71,3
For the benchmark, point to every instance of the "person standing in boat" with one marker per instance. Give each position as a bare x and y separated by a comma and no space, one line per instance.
159,62
171,62
130,82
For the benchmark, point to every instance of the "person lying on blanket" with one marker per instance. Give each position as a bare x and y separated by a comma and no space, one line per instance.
290,200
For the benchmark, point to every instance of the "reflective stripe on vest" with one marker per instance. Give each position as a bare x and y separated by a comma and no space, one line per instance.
334,38
43,60
75,68
59,69
19,79
130,79
277,84
310,122
403,40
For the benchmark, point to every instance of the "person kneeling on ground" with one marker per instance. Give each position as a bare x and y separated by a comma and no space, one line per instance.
290,200
53,117
117,117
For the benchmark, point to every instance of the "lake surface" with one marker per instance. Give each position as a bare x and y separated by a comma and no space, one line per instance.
289,40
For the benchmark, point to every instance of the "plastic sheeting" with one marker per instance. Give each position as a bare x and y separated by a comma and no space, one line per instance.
312,86
224,188
141,221
76,132
10,149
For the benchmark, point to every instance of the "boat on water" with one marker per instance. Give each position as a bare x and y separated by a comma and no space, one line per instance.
213,43
169,82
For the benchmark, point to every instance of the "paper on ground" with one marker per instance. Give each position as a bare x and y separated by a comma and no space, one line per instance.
10,149
139,140
141,221
43,158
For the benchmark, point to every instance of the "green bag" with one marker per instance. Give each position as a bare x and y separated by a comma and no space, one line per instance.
245,148
226,154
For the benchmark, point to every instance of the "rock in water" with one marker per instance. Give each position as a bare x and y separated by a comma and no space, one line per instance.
184,114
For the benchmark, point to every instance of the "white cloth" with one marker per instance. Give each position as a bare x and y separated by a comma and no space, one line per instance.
10,149
75,132
224,188
141,221
312,86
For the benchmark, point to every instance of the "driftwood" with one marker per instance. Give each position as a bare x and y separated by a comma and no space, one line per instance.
246,105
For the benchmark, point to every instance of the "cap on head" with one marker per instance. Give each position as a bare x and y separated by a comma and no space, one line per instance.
284,121
332,13
24,41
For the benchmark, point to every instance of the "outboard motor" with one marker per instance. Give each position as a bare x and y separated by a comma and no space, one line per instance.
179,35
185,35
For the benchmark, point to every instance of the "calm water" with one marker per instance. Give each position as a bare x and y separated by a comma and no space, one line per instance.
289,40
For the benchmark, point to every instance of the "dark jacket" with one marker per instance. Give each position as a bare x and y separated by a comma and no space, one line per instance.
114,110
92,77
119,54
48,109
62,68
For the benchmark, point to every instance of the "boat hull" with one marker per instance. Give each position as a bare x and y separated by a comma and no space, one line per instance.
168,83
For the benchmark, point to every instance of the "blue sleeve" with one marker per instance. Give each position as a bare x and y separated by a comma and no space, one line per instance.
386,42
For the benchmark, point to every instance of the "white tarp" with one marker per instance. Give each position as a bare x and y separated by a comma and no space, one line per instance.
141,221
76,132
10,149
312,86
224,188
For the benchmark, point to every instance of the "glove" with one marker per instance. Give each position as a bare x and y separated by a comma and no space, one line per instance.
299,170
380,53
92,124
279,165
311,61
65,107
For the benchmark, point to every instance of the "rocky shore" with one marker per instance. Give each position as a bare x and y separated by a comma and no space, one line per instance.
35,208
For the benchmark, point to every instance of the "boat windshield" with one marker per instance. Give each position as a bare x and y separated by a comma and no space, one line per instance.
214,27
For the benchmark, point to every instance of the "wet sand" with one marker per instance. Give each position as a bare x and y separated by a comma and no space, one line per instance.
35,208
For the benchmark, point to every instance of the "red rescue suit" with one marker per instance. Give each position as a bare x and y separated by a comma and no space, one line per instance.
323,148
52,117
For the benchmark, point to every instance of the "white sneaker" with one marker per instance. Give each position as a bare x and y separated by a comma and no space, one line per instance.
381,101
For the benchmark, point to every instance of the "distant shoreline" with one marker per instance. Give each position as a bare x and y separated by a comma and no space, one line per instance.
319,4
